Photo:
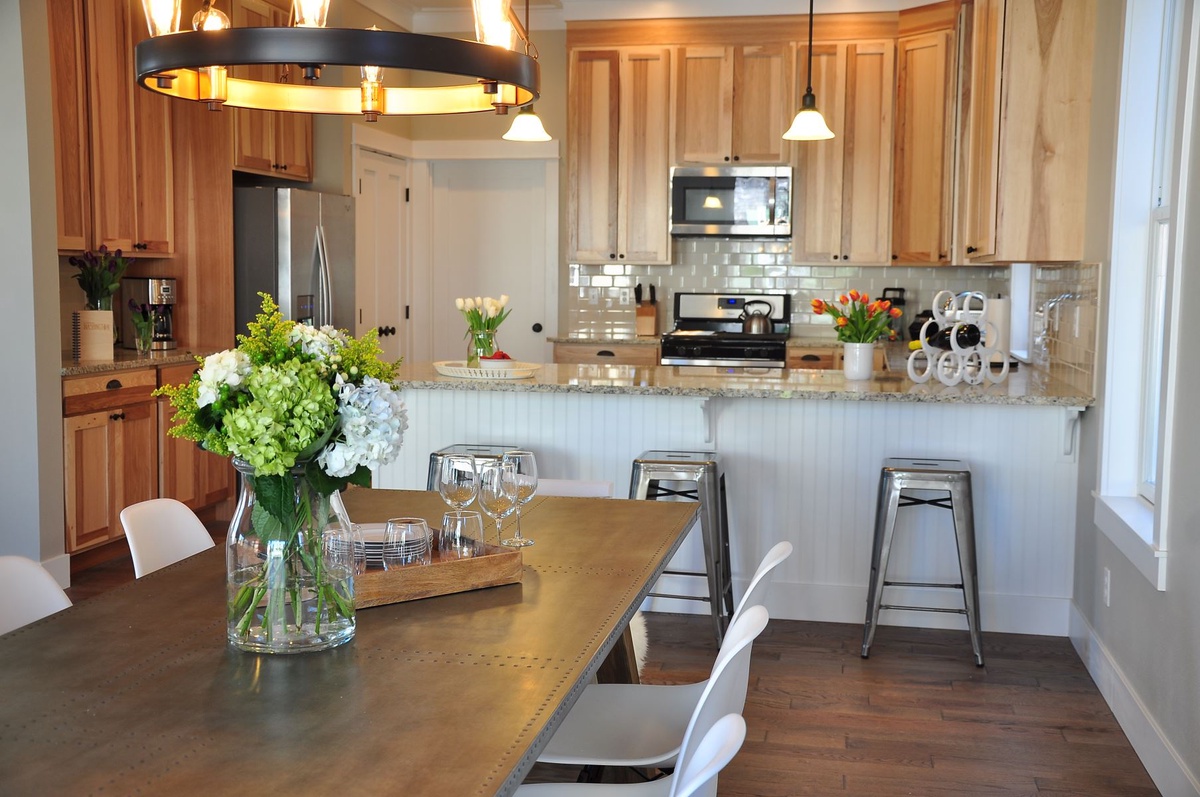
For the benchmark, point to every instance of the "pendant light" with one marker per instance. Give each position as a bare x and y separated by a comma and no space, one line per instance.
809,125
526,126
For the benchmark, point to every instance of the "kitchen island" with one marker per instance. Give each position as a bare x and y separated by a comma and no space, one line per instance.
802,452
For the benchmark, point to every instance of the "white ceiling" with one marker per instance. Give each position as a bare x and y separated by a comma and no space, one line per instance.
425,16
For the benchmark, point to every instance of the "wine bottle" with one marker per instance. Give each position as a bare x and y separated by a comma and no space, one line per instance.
965,335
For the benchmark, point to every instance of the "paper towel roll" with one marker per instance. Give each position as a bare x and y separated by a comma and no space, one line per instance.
999,317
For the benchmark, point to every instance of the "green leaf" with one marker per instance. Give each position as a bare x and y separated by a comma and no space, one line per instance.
361,476
266,525
274,495
321,481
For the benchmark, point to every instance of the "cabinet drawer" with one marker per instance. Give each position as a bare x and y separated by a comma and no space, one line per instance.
814,359
607,353
177,374
105,391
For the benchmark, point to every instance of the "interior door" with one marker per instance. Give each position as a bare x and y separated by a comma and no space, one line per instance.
383,279
489,238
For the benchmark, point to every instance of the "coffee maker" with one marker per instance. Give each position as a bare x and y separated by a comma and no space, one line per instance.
157,293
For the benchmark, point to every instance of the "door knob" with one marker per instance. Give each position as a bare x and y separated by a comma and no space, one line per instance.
537,327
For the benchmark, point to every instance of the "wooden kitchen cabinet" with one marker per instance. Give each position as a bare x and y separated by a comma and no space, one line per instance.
1028,120
113,139
187,472
273,143
619,155
732,103
824,359
841,204
924,148
110,452
606,354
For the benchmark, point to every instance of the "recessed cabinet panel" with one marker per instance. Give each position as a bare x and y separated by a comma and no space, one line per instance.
762,92
817,184
593,123
704,94
645,153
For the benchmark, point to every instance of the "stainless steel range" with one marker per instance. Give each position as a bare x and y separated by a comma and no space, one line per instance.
719,329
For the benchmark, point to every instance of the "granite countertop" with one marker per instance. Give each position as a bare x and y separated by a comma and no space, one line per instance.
1027,387
129,360
617,340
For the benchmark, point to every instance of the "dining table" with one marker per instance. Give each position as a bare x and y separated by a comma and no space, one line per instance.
137,691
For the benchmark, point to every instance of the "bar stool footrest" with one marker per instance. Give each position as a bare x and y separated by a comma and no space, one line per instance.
922,609
930,584
704,598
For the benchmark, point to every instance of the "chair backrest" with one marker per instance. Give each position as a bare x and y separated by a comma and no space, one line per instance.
574,488
27,593
725,692
161,532
716,749
756,592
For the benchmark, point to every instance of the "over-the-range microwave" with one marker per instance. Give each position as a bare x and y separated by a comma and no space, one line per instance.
731,200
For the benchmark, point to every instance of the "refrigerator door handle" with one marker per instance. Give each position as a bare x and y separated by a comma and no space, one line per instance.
324,308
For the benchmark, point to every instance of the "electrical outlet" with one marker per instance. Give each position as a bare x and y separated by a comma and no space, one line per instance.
625,296
1107,587
593,296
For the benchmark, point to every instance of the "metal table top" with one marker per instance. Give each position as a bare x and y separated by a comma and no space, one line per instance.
136,691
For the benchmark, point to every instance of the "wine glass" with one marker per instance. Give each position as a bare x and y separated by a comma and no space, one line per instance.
458,481
406,542
498,491
525,470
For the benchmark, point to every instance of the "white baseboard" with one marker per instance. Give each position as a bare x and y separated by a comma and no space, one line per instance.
835,603
1168,771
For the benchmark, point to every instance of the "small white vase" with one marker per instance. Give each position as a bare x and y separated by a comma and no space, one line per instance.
858,360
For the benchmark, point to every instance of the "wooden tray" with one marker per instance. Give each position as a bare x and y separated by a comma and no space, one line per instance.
442,577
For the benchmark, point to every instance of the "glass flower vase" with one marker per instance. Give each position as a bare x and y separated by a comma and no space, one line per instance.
480,343
284,594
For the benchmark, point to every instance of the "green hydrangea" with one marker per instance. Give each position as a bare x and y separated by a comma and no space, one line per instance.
291,412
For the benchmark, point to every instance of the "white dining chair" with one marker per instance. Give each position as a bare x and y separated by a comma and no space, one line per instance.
27,593
696,775
646,725
161,532
756,590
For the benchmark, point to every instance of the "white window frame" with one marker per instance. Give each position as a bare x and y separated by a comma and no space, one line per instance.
1124,511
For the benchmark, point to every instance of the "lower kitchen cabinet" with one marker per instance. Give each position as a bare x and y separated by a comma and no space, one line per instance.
606,353
187,472
110,453
822,359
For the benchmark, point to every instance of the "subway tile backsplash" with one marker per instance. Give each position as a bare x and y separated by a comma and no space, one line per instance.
756,266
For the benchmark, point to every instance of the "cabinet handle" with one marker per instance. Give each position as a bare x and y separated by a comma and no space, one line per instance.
606,353
113,384
971,250
835,257
612,255
941,255
141,245
622,255
895,257
845,257
117,416
811,358
283,167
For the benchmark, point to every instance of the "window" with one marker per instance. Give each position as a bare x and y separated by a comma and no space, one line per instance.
1148,196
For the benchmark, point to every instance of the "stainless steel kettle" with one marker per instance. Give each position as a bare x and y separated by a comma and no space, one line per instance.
756,323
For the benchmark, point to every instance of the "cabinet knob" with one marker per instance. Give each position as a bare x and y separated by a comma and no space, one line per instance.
117,416
612,255
835,257
141,245
737,157
727,158
895,257
606,353
942,256
811,358
622,255
283,167
845,257
971,250
536,327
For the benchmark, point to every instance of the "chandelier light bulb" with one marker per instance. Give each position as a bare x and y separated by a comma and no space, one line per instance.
162,16
310,13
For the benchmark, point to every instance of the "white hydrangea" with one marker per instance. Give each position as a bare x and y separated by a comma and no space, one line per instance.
373,420
230,367
325,343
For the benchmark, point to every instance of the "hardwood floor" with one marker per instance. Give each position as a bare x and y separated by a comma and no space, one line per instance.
917,718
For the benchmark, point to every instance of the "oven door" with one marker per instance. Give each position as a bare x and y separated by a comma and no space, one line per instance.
742,200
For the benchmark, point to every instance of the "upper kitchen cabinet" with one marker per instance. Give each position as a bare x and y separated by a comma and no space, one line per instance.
113,139
1028,108
731,103
842,187
619,155
273,143
926,66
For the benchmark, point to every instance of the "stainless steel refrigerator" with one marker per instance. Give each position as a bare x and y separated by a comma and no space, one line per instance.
298,246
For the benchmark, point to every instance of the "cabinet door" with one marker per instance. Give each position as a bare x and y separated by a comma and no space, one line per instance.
592,158
89,454
762,92
704,105
253,131
645,157
151,157
293,146
924,147
867,147
72,160
817,182
984,132
110,106
135,459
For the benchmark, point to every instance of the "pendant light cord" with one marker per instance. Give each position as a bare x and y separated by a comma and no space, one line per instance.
807,90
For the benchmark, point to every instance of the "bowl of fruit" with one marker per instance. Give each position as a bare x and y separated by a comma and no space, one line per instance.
499,361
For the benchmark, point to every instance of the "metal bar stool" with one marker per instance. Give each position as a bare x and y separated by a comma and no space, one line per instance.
702,469
479,451
950,476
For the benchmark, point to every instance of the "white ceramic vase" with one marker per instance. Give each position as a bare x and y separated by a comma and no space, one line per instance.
858,360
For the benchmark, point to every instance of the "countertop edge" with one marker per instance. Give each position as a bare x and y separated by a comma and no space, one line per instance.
130,361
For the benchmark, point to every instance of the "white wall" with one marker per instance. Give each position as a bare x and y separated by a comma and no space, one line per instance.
30,419
1144,649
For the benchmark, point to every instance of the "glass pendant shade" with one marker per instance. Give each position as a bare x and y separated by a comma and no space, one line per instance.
210,18
808,125
162,16
213,81
310,13
527,126
492,23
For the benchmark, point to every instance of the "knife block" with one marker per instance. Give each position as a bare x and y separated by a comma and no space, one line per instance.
646,322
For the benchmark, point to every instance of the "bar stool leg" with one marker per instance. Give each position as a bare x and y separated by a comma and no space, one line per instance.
708,493
885,526
726,561
639,485
964,535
